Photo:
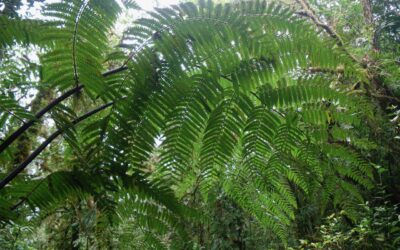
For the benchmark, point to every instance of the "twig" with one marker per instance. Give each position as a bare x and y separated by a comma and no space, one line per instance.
393,98
25,198
12,114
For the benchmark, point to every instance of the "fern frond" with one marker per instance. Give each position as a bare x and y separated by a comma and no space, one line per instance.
79,29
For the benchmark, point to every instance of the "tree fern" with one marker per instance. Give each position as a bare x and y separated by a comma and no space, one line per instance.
245,96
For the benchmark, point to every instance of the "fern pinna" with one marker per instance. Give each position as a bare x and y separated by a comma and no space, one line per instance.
245,96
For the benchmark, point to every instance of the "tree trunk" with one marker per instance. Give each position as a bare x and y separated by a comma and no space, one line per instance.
27,140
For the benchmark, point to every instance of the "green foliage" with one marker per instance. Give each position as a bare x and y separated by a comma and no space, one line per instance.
248,99
212,131
78,38
379,229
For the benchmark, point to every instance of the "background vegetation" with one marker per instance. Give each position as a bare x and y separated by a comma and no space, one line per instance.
206,125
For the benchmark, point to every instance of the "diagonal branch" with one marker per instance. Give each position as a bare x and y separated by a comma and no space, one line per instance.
310,13
4,145
26,197
35,153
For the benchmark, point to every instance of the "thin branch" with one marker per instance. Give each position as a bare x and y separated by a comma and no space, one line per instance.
313,70
35,153
12,113
392,98
4,145
25,198
310,13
